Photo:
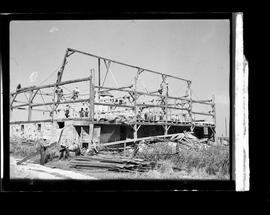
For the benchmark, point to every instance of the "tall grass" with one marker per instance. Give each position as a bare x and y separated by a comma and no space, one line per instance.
23,149
213,160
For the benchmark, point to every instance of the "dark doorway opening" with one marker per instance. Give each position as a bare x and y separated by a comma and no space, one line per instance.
61,124
39,127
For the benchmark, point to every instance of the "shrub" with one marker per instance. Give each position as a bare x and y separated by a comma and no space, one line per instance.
22,149
213,160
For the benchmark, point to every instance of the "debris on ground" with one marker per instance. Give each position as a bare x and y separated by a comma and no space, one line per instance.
92,159
119,164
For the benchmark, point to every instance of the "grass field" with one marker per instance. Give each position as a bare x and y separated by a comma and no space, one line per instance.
206,163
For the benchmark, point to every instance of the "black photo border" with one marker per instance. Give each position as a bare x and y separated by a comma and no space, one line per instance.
111,185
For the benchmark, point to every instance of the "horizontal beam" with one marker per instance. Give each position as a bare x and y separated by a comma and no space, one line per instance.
203,102
22,102
33,109
120,88
201,113
142,93
179,123
136,140
161,106
128,65
96,103
51,103
27,89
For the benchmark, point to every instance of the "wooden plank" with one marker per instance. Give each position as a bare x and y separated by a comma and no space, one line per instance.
135,140
27,89
201,113
128,65
91,106
29,105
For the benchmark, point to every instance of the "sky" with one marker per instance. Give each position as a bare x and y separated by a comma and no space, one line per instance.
197,50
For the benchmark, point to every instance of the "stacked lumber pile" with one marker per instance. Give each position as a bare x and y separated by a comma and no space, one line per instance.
189,140
177,141
116,163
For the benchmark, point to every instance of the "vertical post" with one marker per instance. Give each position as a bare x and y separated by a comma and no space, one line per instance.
30,107
135,135
125,144
81,138
53,106
166,129
214,109
135,95
190,101
60,72
214,115
99,78
135,105
91,106
164,87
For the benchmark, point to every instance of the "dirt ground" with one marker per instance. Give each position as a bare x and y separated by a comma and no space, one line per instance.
32,170
152,174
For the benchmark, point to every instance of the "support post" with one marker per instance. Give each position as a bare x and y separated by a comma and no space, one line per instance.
135,135
166,129
135,131
29,105
91,106
60,72
99,84
53,105
190,101
107,65
214,109
166,97
125,145
135,93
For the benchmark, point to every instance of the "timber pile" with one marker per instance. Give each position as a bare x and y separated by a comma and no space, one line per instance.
177,141
116,163
189,140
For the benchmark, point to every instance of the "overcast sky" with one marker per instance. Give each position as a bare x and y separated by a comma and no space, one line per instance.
197,50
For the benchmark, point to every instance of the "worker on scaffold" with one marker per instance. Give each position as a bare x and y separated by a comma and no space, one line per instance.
59,93
75,93
163,91
67,111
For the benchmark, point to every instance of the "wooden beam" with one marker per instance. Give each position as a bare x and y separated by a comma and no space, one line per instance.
201,113
142,93
179,123
120,88
51,103
13,99
214,109
203,102
61,71
27,89
96,103
99,78
29,105
34,95
91,106
137,139
107,65
190,101
136,97
128,65
34,109
22,102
